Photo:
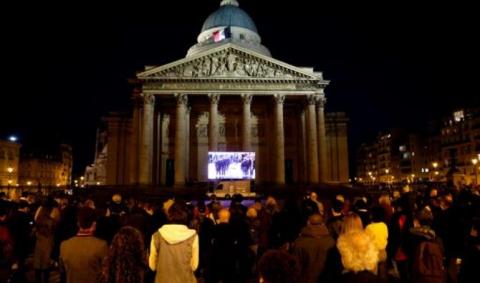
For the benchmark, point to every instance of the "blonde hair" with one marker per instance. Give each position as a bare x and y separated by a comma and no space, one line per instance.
384,200
167,204
358,251
352,223
252,212
223,215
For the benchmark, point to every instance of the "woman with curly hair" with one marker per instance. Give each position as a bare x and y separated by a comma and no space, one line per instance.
126,259
359,255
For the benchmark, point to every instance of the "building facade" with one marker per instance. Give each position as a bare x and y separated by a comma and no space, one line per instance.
47,169
9,163
449,150
394,156
460,146
227,94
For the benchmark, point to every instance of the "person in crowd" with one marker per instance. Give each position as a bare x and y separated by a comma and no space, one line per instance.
126,259
278,267
174,249
385,202
360,207
359,256
44,240
205,229
427,254
20,224
253,227
334,223
318,203
107,225
266,216
138,218
224,253
6,245
81,256
379,231
398,243
351,223
311,248
471,260
117,207
242,240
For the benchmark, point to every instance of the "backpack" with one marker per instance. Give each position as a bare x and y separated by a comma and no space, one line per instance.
428,263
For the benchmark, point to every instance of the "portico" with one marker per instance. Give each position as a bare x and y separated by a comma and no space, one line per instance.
229,95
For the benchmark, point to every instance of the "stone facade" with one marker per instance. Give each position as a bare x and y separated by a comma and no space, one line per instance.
9,163
229,95
49,169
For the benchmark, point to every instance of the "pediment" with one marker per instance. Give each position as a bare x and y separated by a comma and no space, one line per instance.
229,61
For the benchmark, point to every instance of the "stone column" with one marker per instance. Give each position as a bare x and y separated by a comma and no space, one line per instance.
187,142
135,141
146,148
303,147
180,135
158,149
312,154
247,122
322,139
279,139
213,122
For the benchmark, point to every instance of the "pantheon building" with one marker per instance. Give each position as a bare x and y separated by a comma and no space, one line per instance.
227,94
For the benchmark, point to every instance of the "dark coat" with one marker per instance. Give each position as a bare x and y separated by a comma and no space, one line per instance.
311,249
20,225
361,277
471,262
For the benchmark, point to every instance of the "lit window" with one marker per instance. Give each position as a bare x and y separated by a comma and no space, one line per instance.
458,116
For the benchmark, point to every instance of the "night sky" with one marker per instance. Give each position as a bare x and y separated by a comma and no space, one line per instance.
395,64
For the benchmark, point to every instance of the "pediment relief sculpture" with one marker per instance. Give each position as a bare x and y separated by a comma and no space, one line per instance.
228,64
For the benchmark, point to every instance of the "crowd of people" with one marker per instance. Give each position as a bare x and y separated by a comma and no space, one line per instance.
405,236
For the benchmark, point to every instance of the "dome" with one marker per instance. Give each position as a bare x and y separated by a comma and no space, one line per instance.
229,14
228,24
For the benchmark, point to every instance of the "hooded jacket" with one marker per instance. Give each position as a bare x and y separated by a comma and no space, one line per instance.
174,253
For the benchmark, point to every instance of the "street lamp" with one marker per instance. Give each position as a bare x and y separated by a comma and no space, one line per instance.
387,171
435,165
474,162
10,171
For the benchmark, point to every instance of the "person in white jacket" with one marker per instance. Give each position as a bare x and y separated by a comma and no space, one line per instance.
174,251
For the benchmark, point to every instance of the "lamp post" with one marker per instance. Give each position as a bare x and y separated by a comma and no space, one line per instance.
387,171
10,171
474,162
434,165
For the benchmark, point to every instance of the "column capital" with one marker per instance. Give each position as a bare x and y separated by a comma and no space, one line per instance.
214,98
311,99
148,98
321,101
246,98
279,98
182,99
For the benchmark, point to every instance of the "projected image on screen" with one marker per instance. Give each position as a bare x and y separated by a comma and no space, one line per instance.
231,165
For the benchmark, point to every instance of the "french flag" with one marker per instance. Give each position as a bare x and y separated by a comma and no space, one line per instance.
221,34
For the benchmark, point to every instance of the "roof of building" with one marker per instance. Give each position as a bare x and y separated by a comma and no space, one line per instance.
229,14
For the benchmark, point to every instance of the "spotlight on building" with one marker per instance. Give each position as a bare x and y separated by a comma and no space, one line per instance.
12,138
